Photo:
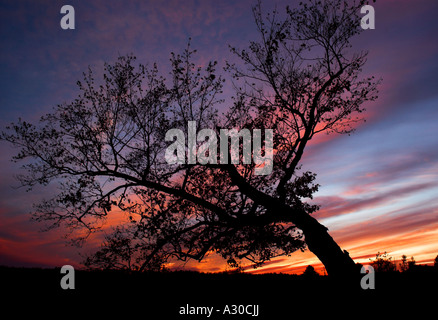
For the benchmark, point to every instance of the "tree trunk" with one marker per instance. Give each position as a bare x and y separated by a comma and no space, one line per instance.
337,262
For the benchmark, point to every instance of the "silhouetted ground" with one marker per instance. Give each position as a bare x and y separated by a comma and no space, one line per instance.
161,295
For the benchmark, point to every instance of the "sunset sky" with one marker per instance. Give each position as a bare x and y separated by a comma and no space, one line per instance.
379,186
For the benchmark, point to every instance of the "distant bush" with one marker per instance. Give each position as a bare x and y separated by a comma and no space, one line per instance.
310,272
406,264
383,263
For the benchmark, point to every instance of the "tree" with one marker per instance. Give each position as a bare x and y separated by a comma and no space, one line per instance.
383,263
404,265
107,148
310,272
411,263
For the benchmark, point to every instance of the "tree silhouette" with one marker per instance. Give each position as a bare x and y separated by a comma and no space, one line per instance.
310,272
383,263
107,148
404,264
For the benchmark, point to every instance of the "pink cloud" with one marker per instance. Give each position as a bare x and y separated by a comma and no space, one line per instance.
339,205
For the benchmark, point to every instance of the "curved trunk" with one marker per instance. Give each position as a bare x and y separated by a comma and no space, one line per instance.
337,262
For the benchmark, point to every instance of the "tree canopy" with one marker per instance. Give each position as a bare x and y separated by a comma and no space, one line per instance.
106,148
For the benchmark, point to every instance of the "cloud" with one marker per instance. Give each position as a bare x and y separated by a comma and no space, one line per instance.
338,205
